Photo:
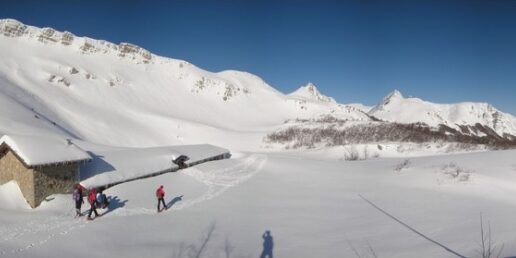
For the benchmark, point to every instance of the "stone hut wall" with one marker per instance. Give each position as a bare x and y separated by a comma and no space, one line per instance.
11,168
54,179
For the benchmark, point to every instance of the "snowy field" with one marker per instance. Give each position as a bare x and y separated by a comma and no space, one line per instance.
311,206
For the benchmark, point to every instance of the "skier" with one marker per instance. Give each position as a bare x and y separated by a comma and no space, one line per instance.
78,198
160,194
267,245
92,199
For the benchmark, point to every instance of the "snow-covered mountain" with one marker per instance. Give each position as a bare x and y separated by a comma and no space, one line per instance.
55,82
124,95
310,92
361,107
461,116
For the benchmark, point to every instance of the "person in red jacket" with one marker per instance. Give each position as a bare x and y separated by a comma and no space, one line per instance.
92,199
160,194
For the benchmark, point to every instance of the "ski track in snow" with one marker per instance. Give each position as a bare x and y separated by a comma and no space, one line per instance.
35,233
217,180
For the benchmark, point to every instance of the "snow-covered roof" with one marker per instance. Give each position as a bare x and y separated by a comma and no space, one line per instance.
123,164
40,150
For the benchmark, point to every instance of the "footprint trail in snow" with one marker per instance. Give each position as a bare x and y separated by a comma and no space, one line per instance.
219,180
35,233
218,177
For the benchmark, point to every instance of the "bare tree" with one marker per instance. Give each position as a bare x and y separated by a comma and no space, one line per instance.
371,250
366,153
228,248
197,251
487,247
180,251
403,165
331,132
353,248
351,154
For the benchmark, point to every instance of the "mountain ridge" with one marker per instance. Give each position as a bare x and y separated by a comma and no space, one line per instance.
396,108
107,93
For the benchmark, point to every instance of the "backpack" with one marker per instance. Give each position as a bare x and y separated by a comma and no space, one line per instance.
92,198
158,194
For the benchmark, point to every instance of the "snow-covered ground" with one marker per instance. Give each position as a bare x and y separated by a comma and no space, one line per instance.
312,207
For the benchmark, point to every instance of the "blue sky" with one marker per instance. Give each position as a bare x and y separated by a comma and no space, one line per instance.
355,51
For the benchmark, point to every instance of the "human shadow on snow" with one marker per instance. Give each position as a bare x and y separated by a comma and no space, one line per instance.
268,245
174,201
114,203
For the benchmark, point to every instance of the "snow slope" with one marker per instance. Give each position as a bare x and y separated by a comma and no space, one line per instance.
16,117
125,96
11,197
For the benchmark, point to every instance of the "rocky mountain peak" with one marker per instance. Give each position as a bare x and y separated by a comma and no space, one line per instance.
13,28
394,94
389,98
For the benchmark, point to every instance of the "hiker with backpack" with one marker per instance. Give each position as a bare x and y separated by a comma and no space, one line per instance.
92,199
160,194
78,198
102,201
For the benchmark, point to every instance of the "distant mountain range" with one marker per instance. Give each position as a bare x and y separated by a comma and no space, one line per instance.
55,83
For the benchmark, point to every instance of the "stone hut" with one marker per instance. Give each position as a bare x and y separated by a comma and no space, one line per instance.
40,165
